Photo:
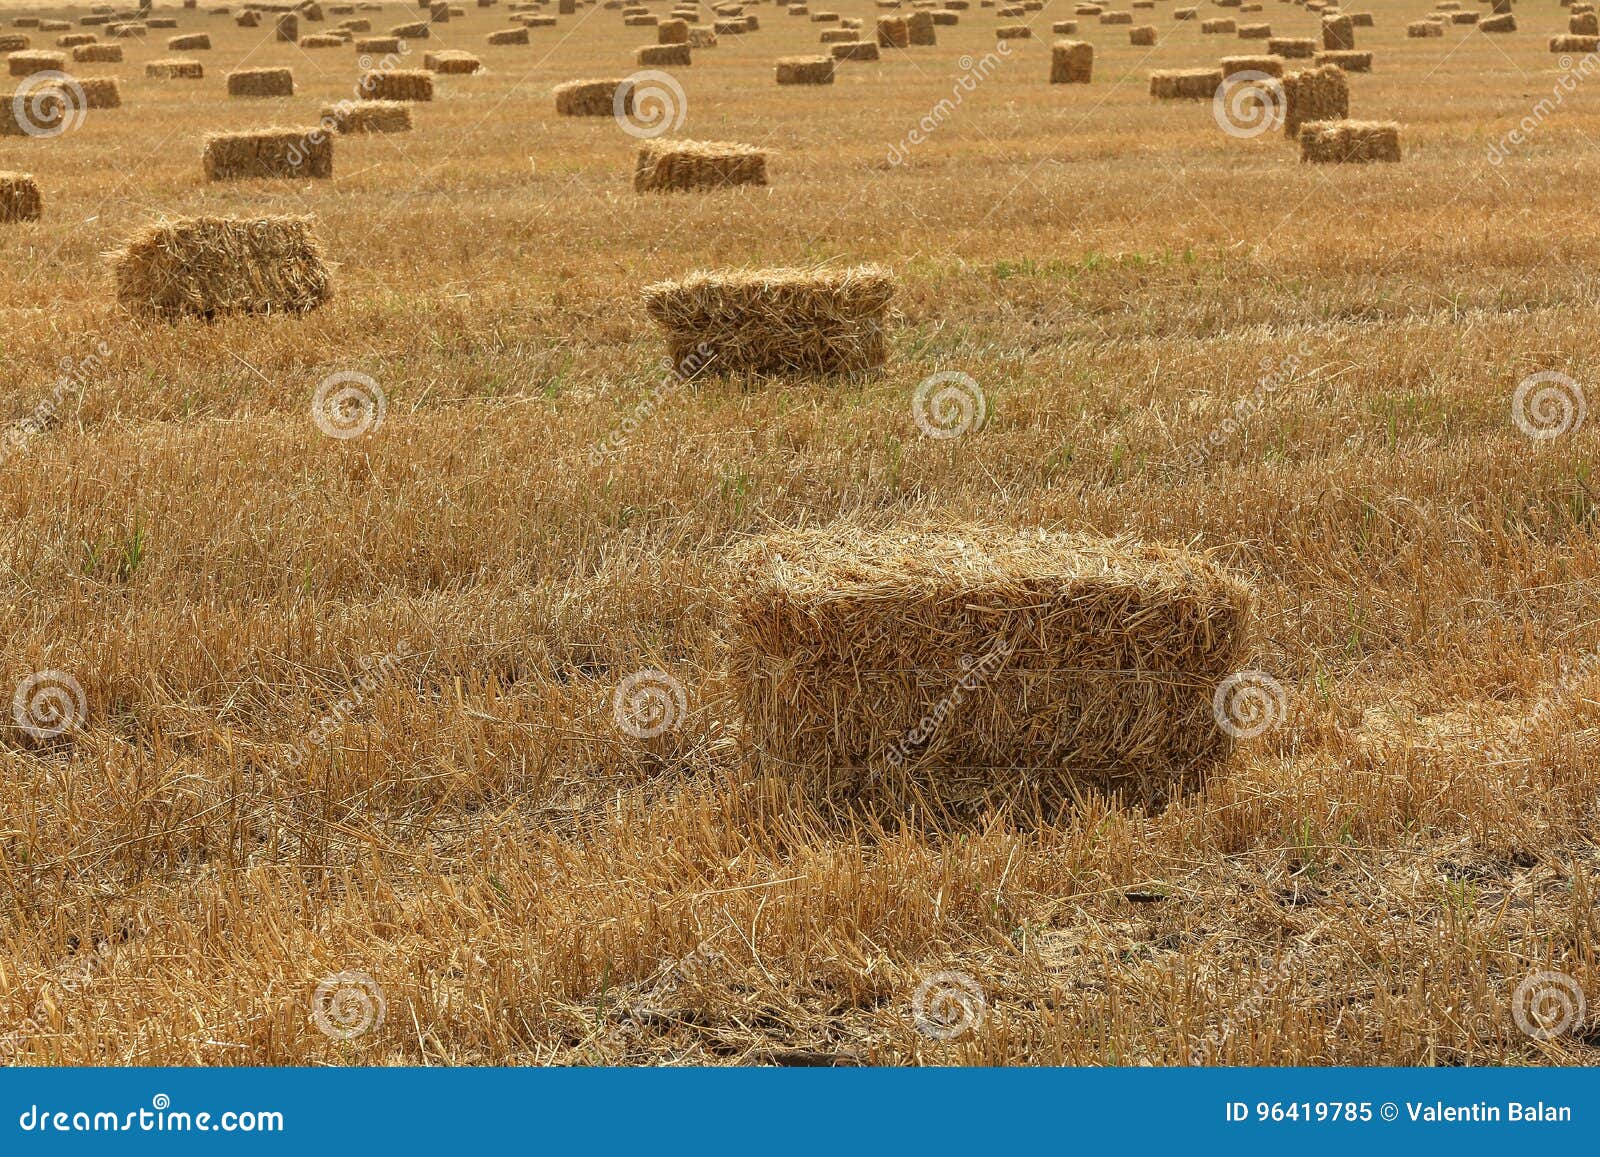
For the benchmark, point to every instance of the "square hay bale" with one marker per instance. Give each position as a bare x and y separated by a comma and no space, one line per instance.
396,84
132,31
967,663
1338,33
702,37
1292,48
505,36
97,54
249,18
1463,18
1088,10
1218,27
1071,62
1420,29
1506,23
356,27
1255,32
814,321
275,152
174,69
1314,94
16,42
1064,28
76,40
1185,13
942,18
28,63
379,46
838,36
287,29
1185,83
1583,24
195,42
1349,142
368,116
98,92
644,21
682,166
213,266
857,50
805,70
920,30
1266,65
1361,19
1013,32
323,40
824,18
20,199
439,13
893,32
1010,12
25,22
261,82
594,98
162,22
417,30
728,27
1143,36
662,56
1116,18
1349,61
672,32
1577,44
451,62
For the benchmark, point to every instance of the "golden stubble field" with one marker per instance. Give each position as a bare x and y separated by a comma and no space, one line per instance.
475,847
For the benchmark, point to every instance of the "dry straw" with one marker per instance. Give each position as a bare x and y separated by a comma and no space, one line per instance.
28,63
211,266
378,46
1314,94
672,32
414,31
860,50
75,40
1116,18
14,42
1071,62
1143,36
1361,19
805,70
1578,44
977,663
261,82
248,19
1269,65
838,36
1292,48
1255,32
593,98
702,37
1064,28
509,36
1338,33
1185,83
323,40
1421,29
817,321
1349,61
175,69
683,166
1218,27
1185,13
397,84
19,198
1349,142
287,29
893,32
1013,32
662,56
1584,24
99,92
97,54
451,62
196,42
368,116
1506,23
275,152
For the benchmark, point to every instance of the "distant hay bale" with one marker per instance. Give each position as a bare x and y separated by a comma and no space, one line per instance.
14,42
1419,29
368,116
1506,23
1143,36
1255,32
356,27
89,92
1314,94
893,32
20,199
1463,18
702,37
1064,28
75,40
276,152
964,666
1361,19
396,84
1185,13
1218,27
249,18
1349,142
816,321
593,98
1576,44
1349,61
450,62
682,166
1584,24
1292,48
643,21
1071,62
1338,33
509,36
729,27
97,54
175,70
805,70
261,82
920,30
1013,32
379,46
672,32
1268,65
838,36
662,56
287,29
1116,18
323,40
195,42
27,63
1185,83
417,30
162,22
857,50
133,31
439,13
214,266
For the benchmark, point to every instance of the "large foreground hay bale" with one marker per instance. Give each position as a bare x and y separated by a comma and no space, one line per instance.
175,70
210,266
594,98
1314,94
776,320
1071,62
275,152
19,198
397,84
681,166
1349,142
368,116
805,70
1185,83
859,50
980,663
261,82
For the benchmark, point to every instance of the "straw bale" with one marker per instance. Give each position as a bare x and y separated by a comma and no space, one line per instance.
28,63
1142,36
662,56
1314,94
893,32
593,98
211,266
97,54
261,82
805,70
857,50
1349,61
681,166
175,69
1577,44
1185,83
1218,26
20,199
194,42
274,152
397,84
1270,65
1505,23
509,36
1071,62
451,62
1349,142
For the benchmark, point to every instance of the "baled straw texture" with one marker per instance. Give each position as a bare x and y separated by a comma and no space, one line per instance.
1142,36
397,84
175,69
1218,27
1013,32
920,30
1185,83
451,62
859,50
967,664
663,56
680,166
19,198
1255,32
368,116
672,32
818,321
893,32
210,266
75,40
1580,44
275,152
378,45
1338,33
1421,29
1071,62
261,82
195,42
15,42
593,98
1314,94
1349,142
1506,23
805,70
509,36
28,63
1268,65
1292,48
